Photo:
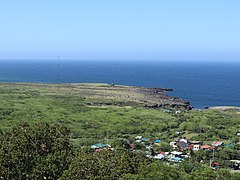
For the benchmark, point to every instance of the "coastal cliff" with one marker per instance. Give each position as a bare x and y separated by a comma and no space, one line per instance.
96,94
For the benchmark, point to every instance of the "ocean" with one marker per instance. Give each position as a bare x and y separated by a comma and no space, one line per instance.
203,84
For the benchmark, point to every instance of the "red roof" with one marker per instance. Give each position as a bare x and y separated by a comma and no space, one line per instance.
190,146
217,143
207,147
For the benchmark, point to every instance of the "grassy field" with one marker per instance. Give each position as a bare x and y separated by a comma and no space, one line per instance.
103,113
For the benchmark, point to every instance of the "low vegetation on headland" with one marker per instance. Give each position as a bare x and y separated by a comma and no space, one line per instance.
101,131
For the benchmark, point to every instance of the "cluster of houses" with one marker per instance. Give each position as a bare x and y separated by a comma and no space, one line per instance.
183,144
177,153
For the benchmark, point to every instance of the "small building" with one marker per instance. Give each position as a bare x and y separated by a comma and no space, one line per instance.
178,111
164,153
176,159
157,141
145,139
207,147
100,146
196,147
173,144
176,153
215,164
236,164
138,137
217,143
196,142
159,156
183,143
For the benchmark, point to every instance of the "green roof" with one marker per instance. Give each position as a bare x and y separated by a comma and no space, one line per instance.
99,145
145,139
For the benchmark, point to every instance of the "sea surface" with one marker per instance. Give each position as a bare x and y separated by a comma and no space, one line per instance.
203,84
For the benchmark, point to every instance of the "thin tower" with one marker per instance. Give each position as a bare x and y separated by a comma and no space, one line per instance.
58,74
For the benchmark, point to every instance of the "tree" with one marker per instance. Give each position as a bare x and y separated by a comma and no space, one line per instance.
103,165
155,170
204,173
42,151
163,146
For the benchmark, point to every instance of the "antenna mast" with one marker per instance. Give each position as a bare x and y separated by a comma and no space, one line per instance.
58,74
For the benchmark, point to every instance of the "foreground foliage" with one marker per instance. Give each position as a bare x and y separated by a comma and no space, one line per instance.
44,152
39,152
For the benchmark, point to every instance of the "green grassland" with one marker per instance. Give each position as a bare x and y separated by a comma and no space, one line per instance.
101,112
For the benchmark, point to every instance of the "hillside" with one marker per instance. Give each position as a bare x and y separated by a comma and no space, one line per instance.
51,131
96,112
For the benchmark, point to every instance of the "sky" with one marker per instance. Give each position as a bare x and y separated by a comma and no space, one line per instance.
120,29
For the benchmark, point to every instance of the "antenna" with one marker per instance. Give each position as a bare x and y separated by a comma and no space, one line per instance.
58,74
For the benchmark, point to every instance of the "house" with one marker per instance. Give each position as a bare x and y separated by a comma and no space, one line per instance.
145,139
100,146
176,153
217,143
197,142
164,153
236,164
173,144
196,147
138,137
159,156
207,147
176,159
183,140
215,164
183,143
157,141
238,133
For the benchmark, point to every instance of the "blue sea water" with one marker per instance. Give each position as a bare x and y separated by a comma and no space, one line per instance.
201,83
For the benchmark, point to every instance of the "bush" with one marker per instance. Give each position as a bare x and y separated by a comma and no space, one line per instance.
39,152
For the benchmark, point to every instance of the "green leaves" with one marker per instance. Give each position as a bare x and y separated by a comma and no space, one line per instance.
103,165
38,152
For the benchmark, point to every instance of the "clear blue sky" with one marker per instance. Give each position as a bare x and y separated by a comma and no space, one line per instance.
120,29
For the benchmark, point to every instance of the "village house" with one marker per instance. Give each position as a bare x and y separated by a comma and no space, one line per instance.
207,147
159,156
173,144
100,146
175,156
217,143
195,145
183,143
158,141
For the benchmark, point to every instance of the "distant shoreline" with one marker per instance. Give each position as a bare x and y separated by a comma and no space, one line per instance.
202,84
223,108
